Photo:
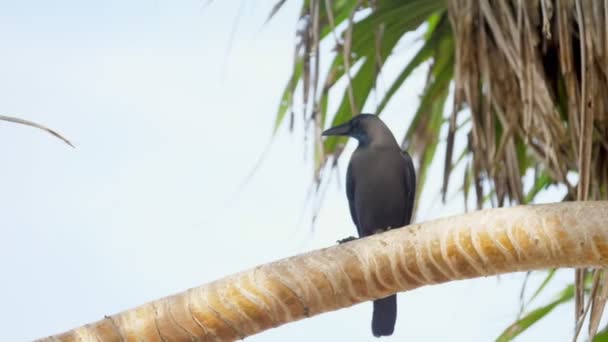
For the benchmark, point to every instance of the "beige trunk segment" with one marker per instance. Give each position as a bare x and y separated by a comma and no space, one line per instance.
482,243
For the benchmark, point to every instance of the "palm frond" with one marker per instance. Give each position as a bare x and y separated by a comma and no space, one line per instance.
36,125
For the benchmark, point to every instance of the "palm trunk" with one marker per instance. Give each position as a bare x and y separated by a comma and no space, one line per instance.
477,244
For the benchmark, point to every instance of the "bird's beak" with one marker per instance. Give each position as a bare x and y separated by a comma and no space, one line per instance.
343,129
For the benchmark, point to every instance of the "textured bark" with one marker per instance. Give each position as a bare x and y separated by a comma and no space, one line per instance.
482,243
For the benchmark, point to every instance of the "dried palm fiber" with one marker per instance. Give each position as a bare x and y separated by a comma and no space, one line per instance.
540,68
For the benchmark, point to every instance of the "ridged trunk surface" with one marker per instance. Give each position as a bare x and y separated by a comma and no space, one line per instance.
482,243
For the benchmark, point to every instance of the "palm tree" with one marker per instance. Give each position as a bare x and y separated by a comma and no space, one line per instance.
529,82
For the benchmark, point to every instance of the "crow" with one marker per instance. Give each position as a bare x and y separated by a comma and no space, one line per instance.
381,188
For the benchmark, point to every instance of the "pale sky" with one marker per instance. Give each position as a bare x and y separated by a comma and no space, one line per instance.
168,118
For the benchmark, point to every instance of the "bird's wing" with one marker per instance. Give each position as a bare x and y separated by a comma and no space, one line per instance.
410,187
350,193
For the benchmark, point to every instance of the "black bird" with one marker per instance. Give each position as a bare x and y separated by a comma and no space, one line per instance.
381,187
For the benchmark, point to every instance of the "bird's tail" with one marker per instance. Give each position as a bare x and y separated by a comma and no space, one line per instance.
385,315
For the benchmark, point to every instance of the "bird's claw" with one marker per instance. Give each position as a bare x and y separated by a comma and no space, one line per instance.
348,239
382,230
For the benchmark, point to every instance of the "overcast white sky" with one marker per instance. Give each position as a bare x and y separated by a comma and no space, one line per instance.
168,120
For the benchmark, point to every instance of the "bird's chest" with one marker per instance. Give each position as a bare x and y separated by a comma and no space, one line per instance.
372,168
379,190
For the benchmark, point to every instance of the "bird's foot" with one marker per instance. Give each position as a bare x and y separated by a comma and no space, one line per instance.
382,230
350,238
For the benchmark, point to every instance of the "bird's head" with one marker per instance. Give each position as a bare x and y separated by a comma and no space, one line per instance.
366,128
